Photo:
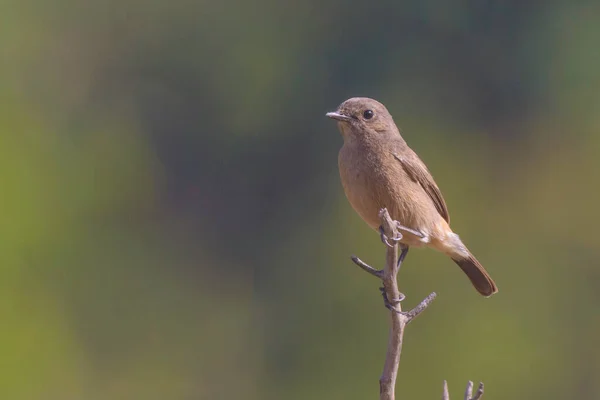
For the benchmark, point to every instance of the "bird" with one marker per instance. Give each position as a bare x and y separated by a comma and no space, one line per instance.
379,170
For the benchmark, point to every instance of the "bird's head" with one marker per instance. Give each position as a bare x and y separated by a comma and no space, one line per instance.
362,117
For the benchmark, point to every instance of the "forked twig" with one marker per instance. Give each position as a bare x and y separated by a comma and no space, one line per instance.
399,318
468,392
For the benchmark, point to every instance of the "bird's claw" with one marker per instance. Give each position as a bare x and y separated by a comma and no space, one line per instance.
391,304
386,240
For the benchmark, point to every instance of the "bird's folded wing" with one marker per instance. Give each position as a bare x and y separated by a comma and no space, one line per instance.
419,173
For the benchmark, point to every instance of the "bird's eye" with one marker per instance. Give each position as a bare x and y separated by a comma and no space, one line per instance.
368,114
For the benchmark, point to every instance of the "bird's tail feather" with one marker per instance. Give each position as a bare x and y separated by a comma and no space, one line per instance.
479,277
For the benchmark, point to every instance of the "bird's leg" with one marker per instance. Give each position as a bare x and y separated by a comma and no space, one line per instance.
403,254
385,239
391,304
408,230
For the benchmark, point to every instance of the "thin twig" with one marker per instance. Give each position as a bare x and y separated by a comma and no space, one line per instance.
366,267
479,393
469,391
414,313
445,394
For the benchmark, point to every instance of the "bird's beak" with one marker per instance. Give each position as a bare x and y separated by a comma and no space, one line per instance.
338,116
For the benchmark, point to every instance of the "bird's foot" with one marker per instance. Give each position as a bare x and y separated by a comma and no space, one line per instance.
386,240
391,304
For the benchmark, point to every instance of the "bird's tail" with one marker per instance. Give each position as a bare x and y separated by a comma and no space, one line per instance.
479,277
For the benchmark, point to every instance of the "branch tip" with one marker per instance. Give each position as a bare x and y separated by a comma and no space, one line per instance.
445,394
469,391
479,393
367,268
414,313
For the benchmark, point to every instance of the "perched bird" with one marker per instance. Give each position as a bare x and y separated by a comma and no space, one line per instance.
378,170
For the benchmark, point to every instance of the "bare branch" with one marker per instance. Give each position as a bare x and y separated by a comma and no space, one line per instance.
445,394
469,391
398,318
390,227
479,393
387,382
414,313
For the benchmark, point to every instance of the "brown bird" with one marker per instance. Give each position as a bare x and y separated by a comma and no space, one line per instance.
378,170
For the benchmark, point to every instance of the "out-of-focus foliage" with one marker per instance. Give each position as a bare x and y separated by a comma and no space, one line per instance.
172,224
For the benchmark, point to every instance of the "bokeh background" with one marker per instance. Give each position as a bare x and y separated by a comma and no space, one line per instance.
172,224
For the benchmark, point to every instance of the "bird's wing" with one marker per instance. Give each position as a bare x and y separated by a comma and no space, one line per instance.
418,172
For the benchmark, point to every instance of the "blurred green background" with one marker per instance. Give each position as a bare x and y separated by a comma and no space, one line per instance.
172,224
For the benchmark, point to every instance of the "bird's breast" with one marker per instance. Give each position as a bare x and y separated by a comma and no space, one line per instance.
366,183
